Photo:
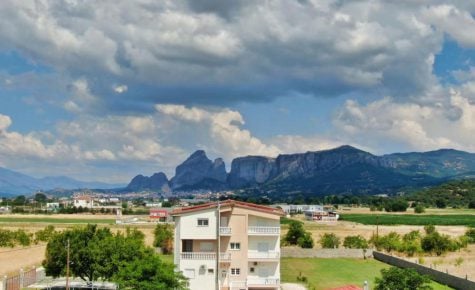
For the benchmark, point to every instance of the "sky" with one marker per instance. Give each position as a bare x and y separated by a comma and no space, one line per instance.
106,90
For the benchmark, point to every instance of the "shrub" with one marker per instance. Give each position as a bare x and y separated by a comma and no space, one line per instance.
164,237
330,241
45,234
397,205
429,229
355,242
419,209
6,238
437,243
470,234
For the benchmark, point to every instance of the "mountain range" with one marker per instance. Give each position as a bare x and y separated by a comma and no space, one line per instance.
15,183
340,170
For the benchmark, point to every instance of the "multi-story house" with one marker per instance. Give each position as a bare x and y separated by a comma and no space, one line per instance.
228,245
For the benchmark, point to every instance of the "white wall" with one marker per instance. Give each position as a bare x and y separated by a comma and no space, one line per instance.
189,228
202,279
273,269
263,222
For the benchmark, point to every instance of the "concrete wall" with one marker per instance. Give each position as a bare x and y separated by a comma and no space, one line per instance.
441,277
296,252
189,225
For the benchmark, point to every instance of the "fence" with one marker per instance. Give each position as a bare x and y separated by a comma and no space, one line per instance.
441,277
23,279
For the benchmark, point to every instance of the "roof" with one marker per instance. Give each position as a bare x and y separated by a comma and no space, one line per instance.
228,203
348,287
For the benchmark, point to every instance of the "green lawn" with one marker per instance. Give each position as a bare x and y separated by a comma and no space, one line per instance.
55,220
330,273
167,258
411,219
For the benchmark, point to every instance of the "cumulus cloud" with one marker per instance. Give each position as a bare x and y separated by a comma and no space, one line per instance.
386,123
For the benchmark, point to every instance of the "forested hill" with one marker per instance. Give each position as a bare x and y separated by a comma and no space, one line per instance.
458,193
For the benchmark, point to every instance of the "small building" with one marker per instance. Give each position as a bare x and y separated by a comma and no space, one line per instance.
84,201
321,215
52,206
159,215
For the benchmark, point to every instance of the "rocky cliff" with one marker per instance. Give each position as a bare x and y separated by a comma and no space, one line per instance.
251,170
158,182
198,169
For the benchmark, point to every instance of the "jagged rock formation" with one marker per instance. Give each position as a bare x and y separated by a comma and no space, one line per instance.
158,182
198,169
251,170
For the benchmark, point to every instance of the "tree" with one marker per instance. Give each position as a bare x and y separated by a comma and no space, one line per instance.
45,234
149,273
437,243
330,241
401,279
40,197
294,233
19,200
470,234
305,241
355,242
441,203
164,237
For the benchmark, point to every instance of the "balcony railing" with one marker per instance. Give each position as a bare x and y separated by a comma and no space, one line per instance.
256,230
198,256
263,281
263,255
224,231
225,256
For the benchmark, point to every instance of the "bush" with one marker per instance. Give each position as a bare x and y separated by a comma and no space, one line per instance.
470,234
419,209
429,229
397,205
330,241
6,238
471,204
355,242
401,279
305,241
438,244
45,234
23,238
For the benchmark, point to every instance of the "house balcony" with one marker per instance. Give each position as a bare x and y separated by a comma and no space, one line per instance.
225,257
263,256
224,231
270,282
198,256
263,231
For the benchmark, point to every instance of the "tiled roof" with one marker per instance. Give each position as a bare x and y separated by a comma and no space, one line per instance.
348,287
229,203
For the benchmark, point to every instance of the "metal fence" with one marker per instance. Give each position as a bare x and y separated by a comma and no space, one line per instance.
23,279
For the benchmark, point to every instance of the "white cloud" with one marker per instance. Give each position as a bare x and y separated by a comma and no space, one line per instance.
386,123
120,89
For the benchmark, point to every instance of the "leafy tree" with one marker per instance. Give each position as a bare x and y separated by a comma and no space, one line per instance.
437,243
329,241
441,203
389,242
19,200
164,237
6,238
471,204
429,229
401,279
295,231
23,238
45,234
40,197
305,241
396,205
149,273
355,242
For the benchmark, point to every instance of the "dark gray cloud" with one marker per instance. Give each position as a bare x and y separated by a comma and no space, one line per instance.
220,52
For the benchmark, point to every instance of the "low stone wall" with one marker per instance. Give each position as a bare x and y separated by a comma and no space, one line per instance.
296,252
441,277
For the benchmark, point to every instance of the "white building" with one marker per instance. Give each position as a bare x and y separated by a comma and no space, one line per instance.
84,201
230,245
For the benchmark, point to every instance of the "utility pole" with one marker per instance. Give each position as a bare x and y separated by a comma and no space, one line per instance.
67,268
218,250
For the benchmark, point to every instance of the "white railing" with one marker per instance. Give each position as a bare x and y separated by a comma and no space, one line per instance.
225,256
263,281
263,255
256,230
224,230
198,256
237,285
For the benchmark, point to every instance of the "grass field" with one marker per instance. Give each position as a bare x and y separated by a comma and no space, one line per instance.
330,273
411,219
55,220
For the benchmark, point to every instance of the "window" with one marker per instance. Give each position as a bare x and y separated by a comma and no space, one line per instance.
210,271
235,271
251,269
203,222
206,247
235,246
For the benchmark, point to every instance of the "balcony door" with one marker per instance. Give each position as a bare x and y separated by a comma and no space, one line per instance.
224,221
187,246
